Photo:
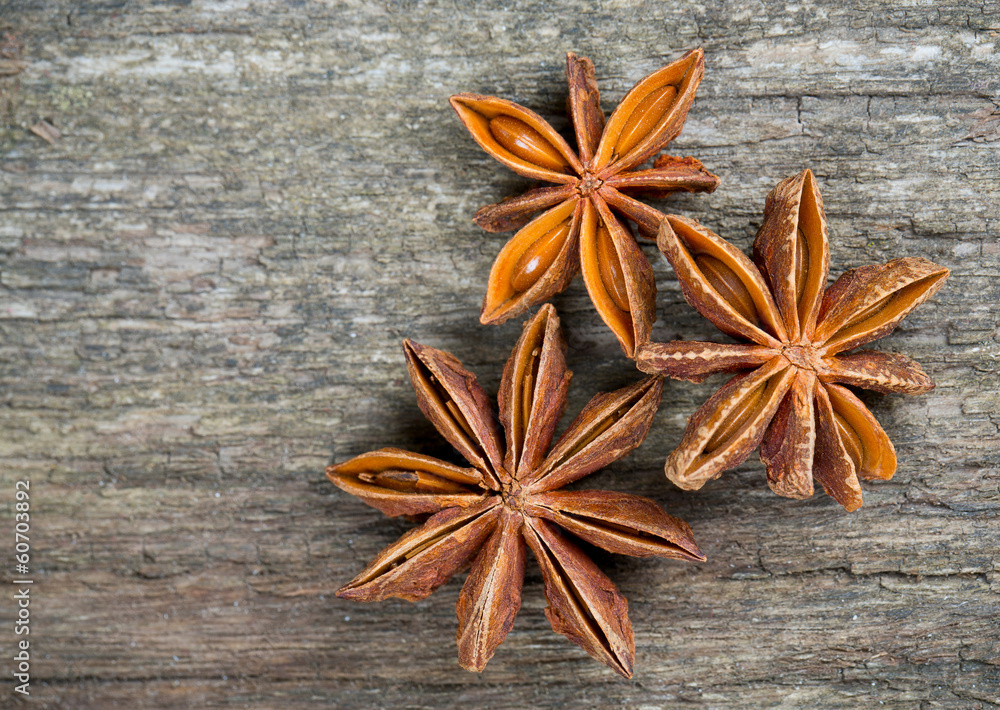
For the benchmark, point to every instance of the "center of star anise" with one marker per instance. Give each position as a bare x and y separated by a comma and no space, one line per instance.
802,356
588,184
512,494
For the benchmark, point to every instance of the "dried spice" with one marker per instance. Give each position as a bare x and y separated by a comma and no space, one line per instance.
509,499
582,226
791,402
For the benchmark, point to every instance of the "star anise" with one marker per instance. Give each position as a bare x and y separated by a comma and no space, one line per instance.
582,226
792,402
485,514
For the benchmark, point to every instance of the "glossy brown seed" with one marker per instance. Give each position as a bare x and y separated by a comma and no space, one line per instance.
399,482
741,412
610,268
720,294
478,112
729,286
602,274
868,302
526,143
666,115
689,466
513,271
538,257
870,448
644,118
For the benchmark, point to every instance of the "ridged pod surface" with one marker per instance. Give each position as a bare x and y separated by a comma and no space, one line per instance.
584,225
509,499
789,397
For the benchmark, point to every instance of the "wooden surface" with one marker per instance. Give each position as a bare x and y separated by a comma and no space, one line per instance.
205,280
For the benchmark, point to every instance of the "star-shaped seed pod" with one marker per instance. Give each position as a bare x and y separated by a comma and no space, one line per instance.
789,398
582,226
509,499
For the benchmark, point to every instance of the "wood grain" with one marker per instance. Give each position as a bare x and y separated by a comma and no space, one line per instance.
205,281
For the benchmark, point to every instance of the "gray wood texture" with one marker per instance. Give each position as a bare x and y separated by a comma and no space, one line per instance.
205,280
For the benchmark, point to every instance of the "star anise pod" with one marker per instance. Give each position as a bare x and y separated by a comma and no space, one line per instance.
485,514
582,226
792,402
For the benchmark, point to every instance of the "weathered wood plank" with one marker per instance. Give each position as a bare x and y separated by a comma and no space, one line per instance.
205,281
